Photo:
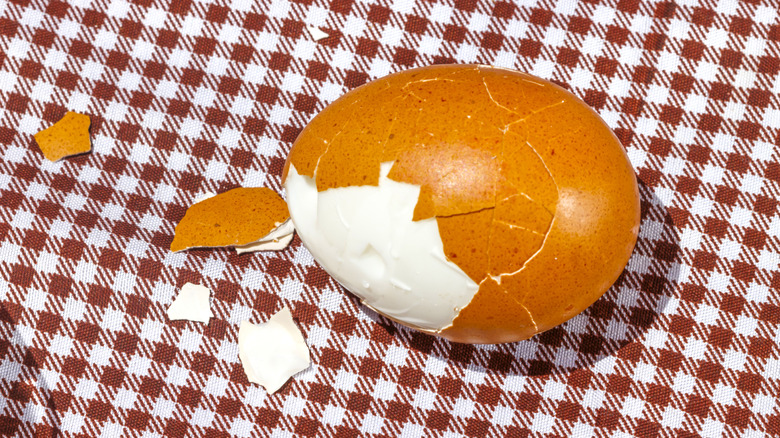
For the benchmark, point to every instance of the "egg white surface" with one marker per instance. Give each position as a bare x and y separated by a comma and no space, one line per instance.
365,238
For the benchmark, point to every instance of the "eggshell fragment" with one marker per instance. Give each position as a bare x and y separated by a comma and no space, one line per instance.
237,217
492,314
316,33
457,179
272,352
276,240
67,137
191,304
203,197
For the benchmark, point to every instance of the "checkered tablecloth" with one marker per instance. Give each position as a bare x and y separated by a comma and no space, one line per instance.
189,96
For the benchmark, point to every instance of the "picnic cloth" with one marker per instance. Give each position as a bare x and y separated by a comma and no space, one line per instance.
189,96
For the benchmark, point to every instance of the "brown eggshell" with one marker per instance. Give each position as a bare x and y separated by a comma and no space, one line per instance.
69,136
456,179
493,314
534,197
233,218
465,238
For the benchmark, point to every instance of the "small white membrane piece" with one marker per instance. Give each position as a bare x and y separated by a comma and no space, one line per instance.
316,33
276,240
272,352
365,238
192,304
203,197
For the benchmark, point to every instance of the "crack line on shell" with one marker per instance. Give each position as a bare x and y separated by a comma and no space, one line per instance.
495,204
346,123
546,234
519,227
317,166
528,143
422,81
479,285
528,197
533,113
490,95
530,316
498,277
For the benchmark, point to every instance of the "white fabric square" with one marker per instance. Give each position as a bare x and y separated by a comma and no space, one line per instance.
632,407
467,53
163,408
31,17
216,385
139,365
684,383
542,423
554,37
424,399
345,380
229,34
384,390
672,418
125,398
723,394
603,15
695,104
668,62
74,309
191,128
695,349
554,390
629,55
768,260
440,13
333,415
176,375
645,372
729,249
154,17
593,399
72,423
100,355
735,360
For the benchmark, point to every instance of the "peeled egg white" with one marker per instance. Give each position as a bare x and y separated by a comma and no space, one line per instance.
365,238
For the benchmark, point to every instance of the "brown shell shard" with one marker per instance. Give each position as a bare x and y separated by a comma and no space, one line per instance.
69,136
510,247
522,211
350,160
524,95
425,208
491,316
465,238
459,179
524,170
233,218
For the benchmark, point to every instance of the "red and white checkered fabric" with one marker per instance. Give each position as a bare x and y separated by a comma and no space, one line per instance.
190,96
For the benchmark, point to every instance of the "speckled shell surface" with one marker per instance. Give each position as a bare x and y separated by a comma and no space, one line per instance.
534,197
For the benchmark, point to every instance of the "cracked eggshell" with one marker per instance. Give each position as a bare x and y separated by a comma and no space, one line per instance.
235,218
479,204
276,240
69,136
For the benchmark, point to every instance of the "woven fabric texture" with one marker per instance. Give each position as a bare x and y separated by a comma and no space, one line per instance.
191,96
